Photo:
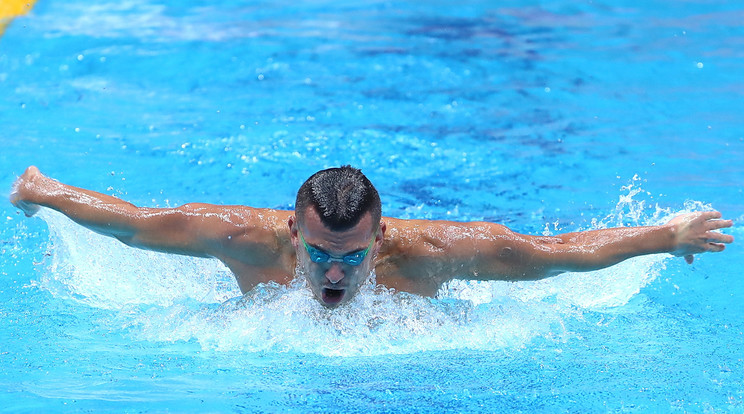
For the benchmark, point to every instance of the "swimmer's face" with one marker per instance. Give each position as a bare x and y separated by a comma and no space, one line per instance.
328,258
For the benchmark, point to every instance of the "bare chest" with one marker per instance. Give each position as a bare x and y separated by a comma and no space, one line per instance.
248,276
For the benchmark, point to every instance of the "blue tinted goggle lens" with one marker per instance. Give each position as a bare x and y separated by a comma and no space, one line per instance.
319,256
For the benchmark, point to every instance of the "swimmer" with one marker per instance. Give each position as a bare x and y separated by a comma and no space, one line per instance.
336,237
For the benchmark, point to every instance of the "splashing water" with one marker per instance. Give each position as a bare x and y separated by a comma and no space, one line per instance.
158,297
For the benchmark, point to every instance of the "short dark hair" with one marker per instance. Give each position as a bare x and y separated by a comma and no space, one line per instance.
341,196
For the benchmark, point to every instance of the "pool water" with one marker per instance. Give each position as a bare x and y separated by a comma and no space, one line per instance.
546,116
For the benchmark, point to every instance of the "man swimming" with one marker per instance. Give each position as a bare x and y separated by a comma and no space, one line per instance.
336,237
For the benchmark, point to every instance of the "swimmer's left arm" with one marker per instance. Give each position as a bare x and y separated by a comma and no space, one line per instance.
488,251
519,257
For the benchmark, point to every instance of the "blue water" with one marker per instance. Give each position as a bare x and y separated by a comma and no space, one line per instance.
545,116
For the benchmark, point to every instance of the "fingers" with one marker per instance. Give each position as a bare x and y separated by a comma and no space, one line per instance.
713,236
710,215
718,224
703,234
29,209
712,224
712,221
22,187
710,247
716,247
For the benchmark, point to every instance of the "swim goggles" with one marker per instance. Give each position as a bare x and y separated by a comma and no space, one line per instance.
319,256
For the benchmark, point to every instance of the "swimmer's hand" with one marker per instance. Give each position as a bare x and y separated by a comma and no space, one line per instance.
695,233
23,189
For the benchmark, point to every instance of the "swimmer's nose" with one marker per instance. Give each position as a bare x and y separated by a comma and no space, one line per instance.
335,273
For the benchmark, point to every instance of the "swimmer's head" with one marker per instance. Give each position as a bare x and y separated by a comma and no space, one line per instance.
336,232
342,196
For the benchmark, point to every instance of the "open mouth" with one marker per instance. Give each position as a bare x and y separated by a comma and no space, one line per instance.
333,296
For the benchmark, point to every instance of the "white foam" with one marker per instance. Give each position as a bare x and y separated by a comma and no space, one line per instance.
377,321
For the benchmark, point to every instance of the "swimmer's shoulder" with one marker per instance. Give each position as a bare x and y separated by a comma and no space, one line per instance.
254,240
433,237
236,216
415,255
418,256
258,222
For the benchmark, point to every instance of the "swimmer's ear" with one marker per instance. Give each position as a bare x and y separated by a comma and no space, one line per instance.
292,223
381,233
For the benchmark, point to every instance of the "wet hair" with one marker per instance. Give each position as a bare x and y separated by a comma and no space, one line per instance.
341,196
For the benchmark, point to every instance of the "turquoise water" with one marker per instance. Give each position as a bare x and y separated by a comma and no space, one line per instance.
545,116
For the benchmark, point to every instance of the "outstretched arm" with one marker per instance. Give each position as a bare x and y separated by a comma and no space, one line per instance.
429,253
193,229
685,235
101,213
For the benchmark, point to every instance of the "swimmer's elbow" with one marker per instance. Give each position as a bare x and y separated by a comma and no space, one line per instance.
126,239
530,260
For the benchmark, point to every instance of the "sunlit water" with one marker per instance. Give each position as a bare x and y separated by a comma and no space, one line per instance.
547,117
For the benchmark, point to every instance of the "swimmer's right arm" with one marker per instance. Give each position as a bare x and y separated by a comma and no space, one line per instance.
201,230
